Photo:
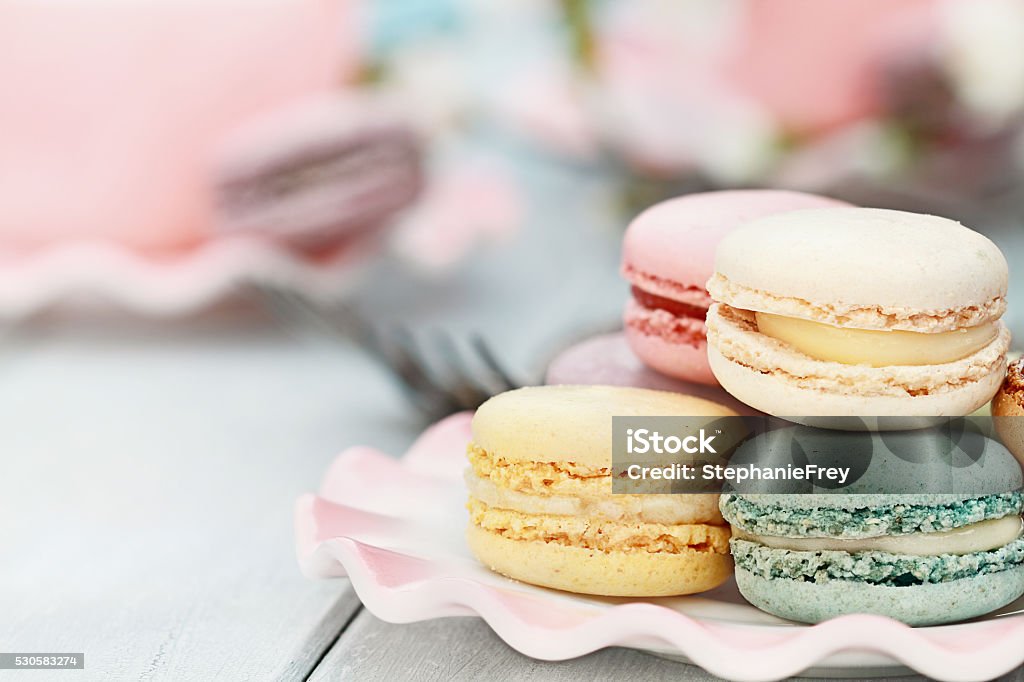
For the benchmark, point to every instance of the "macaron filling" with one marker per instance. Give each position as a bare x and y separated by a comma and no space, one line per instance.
870,520
599,534
572,505
664,509
873,568
983,536
542,478
672,320
734,336
872,347
896,545
676,308
344,162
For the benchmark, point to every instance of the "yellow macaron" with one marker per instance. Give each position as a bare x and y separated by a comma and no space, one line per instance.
541,503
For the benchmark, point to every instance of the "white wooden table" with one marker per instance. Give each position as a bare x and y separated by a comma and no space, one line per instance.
149,472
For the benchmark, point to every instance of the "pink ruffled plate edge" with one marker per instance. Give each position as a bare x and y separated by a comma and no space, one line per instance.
175,284
371,522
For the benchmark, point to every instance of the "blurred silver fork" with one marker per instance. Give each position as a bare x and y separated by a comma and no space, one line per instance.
472,373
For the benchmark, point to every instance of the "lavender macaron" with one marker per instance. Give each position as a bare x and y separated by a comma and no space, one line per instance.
607,360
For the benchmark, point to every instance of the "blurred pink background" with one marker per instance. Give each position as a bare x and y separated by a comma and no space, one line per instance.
120,110
116,107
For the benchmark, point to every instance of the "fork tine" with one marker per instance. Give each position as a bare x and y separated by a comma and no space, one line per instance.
278,304
411,367
464,387
293,309
356,324
405,366
350,324
400,352
489,359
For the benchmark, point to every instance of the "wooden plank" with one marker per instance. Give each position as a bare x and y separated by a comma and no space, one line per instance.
323,637
466,649
149,479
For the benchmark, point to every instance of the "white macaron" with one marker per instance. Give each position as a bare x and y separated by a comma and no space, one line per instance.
843,312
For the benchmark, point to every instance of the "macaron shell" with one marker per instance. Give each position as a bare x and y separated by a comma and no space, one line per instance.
613,574
674,346
855,316
931,604
607,360
572,423
672,244
684,361
863,267
780,397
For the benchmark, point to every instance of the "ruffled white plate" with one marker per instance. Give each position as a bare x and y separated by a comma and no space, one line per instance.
394,527
173,284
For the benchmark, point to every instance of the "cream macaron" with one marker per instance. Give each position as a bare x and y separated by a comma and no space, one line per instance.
541,504
845,312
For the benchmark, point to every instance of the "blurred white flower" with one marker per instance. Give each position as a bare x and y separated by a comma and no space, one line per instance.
862,150
985,55
675,28
430,77
666,104
665,131
547,104
501,13
742,144
466,203
739,92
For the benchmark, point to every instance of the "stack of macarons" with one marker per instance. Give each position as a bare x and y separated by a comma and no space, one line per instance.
819,313
883,321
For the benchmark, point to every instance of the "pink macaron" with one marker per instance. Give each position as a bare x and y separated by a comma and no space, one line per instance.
668,255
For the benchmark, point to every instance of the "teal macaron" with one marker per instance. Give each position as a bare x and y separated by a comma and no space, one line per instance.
929,530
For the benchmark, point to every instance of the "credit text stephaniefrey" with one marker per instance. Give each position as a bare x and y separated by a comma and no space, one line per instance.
737,474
